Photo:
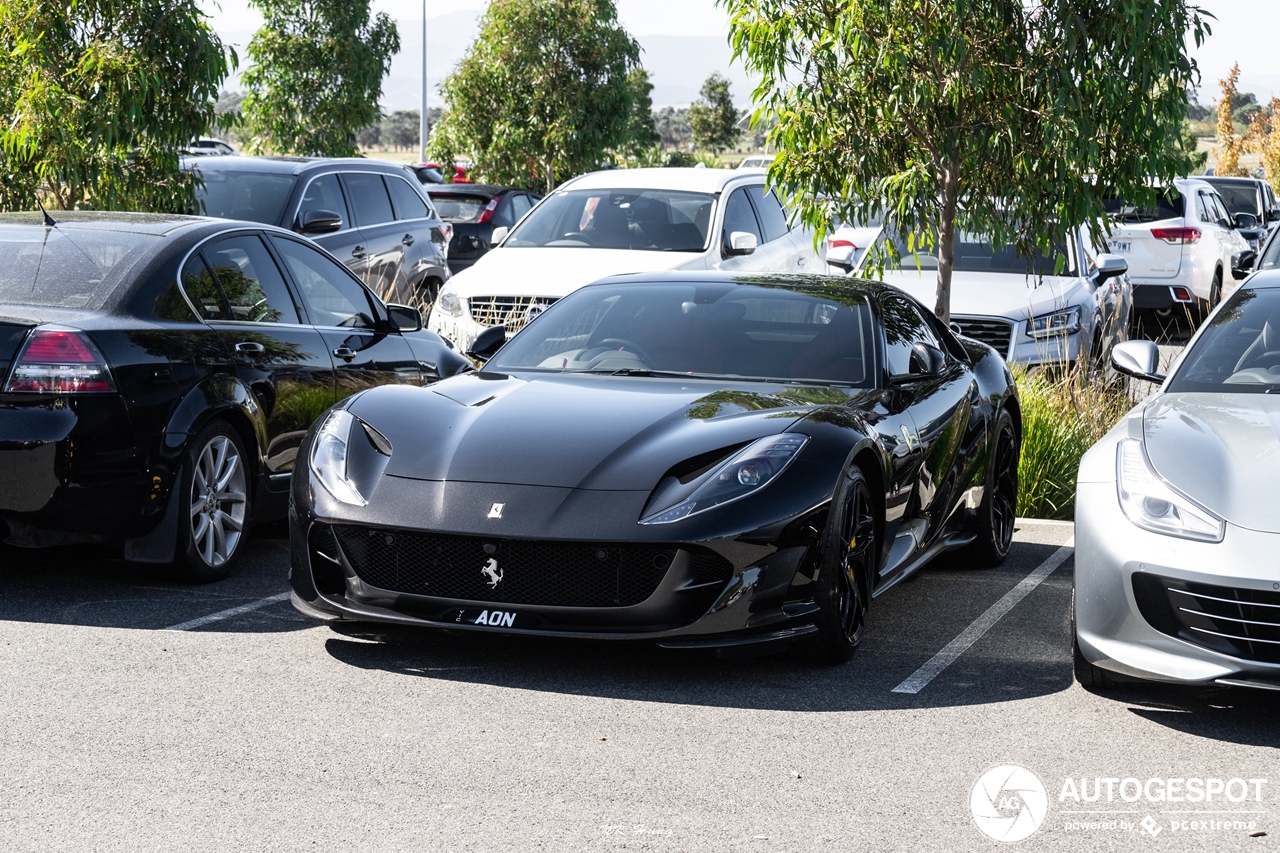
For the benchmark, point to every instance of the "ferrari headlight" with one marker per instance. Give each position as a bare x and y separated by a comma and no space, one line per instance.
1057,323
1151,504
329,457
450,302
749,470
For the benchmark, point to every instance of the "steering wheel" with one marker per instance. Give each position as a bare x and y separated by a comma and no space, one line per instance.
624,344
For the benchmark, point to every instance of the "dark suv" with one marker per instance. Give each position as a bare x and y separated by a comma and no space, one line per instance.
474,211
372,215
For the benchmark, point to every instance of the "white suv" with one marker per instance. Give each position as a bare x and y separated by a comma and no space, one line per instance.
1185,250
621,221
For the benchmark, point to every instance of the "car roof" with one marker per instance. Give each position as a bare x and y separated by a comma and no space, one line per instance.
788,280
1238,180
289,165
673,178
157,224
466,189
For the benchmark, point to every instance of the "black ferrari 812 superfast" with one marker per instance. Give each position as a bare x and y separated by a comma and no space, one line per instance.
701,460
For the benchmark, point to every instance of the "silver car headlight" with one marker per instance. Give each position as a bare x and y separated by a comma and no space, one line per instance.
1057,323
449,302
329,455
1153,505
747,471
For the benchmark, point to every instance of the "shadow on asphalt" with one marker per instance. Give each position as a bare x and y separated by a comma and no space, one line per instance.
1229,714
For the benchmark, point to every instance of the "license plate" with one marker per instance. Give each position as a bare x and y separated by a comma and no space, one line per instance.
493,618
1120,247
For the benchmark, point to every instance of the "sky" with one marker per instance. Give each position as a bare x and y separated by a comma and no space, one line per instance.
1245,30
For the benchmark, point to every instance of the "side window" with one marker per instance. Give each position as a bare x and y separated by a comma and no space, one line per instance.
202,289
772,217
251,281
409,205
324,193
502,216
740,216
520,205
1223,216
332,296
904,327
369,200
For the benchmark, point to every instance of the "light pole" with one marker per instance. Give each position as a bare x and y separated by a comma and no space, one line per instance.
423,128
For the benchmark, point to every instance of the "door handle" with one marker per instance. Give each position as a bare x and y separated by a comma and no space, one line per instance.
358,252
408,240
252,347
801,261
345,353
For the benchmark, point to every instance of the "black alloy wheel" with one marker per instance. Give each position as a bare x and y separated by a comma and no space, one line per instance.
214,505
998,511
847,562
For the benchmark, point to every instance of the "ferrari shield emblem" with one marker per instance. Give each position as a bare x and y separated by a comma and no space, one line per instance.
495,511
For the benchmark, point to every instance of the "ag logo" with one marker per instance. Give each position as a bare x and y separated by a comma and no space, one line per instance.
492,572
1008,803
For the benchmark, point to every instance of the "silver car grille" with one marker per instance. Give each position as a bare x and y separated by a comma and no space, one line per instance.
997,334
514,312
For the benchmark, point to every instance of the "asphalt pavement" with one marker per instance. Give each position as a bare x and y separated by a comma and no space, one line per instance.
257,729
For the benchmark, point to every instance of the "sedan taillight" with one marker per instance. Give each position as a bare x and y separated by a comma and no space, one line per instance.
1176,236
841,244
60,361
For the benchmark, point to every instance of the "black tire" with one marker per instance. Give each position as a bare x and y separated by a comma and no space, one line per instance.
998,510
1090,677
846,564
1215,296
212,522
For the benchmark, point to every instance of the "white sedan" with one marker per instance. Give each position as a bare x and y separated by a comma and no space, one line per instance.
622,221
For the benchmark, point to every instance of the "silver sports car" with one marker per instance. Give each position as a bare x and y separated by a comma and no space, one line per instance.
1177,565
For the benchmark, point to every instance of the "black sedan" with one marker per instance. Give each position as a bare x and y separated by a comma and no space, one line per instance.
157,374
699,459
476,211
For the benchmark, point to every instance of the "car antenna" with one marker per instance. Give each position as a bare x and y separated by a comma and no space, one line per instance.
49,221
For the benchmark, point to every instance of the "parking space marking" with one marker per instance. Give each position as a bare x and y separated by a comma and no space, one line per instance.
966,638
227,614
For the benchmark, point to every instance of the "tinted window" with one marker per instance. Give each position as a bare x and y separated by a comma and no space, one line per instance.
1239,351
253,196
369,200
719,329
332,296
324,193
520,205
976,253
409,205
772,217
503,215
740,216
458,207
1168,205
1271,255
645,220
1241,198
202,289
253,286
66,267
903,329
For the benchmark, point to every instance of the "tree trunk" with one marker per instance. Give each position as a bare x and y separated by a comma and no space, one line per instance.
551,175
947,241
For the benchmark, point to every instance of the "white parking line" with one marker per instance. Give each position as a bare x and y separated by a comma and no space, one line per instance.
227,614
936,664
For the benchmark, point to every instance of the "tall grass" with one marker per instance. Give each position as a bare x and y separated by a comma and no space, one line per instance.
1063,414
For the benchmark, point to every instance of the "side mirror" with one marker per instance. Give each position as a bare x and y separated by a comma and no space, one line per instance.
487,343
1111,266
742,243
926,361
845,265
1246,220
1242,263
1139,359
319,222
499,234
1273,214
404,318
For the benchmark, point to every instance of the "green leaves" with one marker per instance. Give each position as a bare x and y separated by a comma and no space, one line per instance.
315,76
543,92
713,118
101,95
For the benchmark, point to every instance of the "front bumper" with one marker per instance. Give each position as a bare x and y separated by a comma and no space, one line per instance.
1111,628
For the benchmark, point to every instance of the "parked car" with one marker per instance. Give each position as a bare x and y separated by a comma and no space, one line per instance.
427,173
620,221
699,459
474,211
756,161
847,243
205,145
1253,196
1182,251
369,214
1178,515
158,373
1029,310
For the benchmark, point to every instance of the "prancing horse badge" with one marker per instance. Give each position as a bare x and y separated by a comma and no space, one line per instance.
495,511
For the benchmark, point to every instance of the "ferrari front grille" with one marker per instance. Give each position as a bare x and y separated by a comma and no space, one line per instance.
1242,623
517,571
997,334
510,311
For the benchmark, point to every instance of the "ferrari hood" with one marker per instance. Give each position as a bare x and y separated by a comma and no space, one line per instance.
990,294
588,432
558,271
1221,450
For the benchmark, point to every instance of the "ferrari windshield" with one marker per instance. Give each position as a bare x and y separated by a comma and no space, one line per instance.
1239,352
645,220
719,329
